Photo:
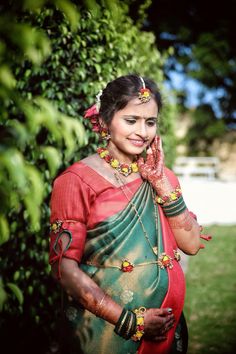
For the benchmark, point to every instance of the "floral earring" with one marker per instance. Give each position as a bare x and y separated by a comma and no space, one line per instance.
105,135
104,131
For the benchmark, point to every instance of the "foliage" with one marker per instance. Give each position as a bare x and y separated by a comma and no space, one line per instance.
203,130
202,36
210,300
55,57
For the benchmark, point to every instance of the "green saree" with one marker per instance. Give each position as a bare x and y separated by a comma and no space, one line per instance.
118,238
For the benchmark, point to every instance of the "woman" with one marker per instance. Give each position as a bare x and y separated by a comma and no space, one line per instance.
117,220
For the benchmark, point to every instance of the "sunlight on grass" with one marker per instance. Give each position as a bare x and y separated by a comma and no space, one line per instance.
210,306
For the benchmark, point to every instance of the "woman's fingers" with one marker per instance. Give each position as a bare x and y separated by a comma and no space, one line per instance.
154,164
157,323
158,155
150,160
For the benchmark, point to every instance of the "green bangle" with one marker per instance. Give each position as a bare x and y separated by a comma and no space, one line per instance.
121,321
175,208
126,325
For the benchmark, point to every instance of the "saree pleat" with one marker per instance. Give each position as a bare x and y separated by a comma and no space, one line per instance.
118,238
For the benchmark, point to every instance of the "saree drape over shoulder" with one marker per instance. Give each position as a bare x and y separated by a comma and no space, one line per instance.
106,238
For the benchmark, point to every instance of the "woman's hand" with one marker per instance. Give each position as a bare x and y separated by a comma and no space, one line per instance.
157,322
153,168
154,162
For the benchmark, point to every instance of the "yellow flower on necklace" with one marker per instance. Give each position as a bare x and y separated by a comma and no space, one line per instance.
134,167
115,163
124,168
104,153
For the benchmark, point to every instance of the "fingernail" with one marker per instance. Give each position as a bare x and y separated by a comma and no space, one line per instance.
169,310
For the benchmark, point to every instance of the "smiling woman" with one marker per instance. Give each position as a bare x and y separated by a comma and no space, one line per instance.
117,223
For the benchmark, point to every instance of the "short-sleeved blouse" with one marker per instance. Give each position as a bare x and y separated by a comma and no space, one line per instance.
81,198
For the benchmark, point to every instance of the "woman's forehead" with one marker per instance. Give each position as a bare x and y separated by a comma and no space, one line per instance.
135,107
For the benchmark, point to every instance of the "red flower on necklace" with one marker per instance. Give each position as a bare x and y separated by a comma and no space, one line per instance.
127,266
165,261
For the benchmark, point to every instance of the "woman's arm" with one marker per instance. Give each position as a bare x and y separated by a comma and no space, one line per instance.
77,284
83,289
186,231
184,226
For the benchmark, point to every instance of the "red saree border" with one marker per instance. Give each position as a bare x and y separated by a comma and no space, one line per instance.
176,290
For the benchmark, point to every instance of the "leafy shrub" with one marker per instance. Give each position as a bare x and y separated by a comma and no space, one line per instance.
54,60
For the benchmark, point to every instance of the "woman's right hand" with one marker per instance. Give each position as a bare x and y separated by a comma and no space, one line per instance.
157,322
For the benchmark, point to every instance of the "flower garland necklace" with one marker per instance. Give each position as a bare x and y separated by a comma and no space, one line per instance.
123,186
124,168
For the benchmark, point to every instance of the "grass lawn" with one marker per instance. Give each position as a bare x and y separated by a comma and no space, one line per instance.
210,306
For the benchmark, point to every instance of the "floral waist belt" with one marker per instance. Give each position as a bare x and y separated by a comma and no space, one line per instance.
163,261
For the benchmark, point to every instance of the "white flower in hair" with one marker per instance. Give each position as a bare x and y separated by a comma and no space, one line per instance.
98,100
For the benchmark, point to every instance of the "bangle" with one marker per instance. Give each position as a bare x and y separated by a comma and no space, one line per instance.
99,305
126,325
175,208
139,323
174,195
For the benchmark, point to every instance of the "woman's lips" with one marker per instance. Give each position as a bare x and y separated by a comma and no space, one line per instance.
139,143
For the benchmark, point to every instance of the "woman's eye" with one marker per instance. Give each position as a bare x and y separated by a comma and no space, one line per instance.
151,123
131,121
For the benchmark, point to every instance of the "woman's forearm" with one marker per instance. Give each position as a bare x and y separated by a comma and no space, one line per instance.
186,231
82,288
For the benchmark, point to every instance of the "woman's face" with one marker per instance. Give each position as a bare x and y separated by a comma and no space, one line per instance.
132,129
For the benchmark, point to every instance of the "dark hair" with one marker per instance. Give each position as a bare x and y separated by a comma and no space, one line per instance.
120,91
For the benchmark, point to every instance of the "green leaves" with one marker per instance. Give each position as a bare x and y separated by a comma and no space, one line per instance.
6,77
3,295
62,58
17,292
10,289
69,9
53,157
4,230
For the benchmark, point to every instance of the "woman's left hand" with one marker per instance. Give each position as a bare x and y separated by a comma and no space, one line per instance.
153,168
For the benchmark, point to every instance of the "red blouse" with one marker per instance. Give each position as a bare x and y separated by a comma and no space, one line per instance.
80,199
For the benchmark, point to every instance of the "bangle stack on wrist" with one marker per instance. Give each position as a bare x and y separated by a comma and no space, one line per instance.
126,325
131,324
175,208
174,195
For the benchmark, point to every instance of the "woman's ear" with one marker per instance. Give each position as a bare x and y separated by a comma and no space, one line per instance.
102,123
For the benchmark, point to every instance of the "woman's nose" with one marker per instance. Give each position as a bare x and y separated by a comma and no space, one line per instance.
142,130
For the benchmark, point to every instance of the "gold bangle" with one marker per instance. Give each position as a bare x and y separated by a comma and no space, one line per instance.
99,305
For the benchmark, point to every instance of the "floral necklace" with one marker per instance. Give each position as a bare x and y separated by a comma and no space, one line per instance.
123,186
124,168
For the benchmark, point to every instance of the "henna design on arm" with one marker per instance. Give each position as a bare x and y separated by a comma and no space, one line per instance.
182,221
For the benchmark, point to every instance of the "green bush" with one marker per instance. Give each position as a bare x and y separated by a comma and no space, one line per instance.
54,60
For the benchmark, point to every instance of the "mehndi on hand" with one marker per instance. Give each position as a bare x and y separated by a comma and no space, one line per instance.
153,169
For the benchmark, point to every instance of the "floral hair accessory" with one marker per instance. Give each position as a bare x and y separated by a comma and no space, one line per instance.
93,115
144,93
98,100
